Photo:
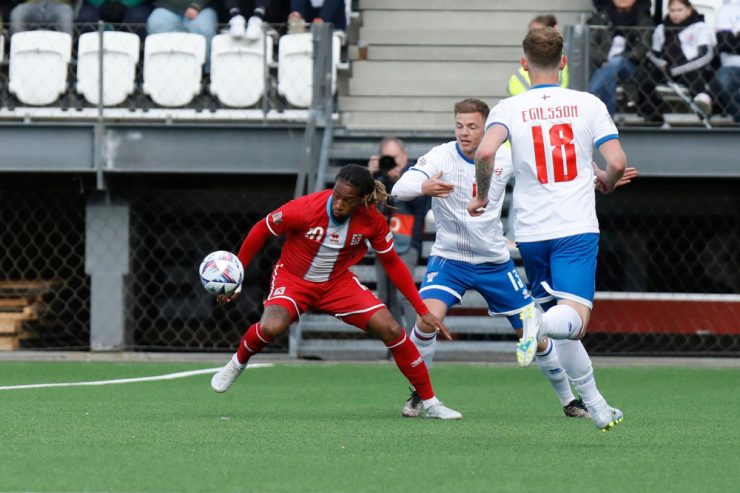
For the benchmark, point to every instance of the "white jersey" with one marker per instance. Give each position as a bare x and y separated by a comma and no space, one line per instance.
553,132
460,236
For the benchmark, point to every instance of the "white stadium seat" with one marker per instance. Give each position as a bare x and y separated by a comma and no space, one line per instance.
295,67
173,67
238,69
38,66
120,56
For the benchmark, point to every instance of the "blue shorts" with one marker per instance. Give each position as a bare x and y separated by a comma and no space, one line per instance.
563,268
499,284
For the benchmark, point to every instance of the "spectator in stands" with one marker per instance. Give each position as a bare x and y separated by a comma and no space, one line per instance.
56,15
271,11
682,51
194,16
303,11
519,82
407,224
726,84
135,12
619,43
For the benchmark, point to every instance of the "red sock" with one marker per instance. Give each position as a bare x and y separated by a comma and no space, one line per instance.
411,364
253,342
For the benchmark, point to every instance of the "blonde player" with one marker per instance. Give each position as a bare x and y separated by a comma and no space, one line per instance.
471,252
553,132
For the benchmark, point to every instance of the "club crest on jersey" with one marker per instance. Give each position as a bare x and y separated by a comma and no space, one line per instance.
315,234
277,218
356,239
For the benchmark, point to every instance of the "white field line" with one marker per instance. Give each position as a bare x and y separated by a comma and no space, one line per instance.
168,376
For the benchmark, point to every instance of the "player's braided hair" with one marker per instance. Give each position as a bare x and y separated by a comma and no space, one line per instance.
373,192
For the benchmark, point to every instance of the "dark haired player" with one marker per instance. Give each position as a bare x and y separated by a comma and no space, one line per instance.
325,234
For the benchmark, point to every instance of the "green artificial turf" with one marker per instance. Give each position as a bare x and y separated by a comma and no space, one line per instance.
337,428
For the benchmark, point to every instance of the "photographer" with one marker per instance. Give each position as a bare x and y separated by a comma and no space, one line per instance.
406,220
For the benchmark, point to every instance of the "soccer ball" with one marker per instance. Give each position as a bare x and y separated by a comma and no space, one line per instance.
221,272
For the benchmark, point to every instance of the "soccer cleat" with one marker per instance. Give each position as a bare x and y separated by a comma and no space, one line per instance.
413,406
226,376
440,411
606,417
527,345
576,409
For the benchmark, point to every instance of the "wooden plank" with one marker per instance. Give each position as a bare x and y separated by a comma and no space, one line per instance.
10,304
8,343
24,288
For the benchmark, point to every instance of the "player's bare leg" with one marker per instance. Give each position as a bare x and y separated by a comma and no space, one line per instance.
410,362
274,321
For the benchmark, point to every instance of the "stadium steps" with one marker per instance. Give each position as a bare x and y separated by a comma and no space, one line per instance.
424,55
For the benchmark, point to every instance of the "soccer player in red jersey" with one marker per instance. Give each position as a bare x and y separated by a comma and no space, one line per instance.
325,234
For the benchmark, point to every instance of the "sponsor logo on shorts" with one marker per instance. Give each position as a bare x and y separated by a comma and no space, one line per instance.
277,218
278,291
431,276
389,236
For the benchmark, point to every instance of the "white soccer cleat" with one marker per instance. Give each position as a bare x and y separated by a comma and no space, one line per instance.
413,406
527,345
226,376
440,411
605,417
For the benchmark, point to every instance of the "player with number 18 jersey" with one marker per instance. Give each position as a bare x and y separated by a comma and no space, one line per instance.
553,132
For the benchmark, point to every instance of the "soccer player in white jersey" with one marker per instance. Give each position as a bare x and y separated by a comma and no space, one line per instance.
471,252
553,132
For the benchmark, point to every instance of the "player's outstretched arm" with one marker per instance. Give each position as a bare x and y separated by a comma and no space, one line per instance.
399,274
250,246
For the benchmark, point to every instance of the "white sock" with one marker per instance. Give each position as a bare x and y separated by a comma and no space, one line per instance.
426,344
577,366
237,363
427,403
549,365
561,322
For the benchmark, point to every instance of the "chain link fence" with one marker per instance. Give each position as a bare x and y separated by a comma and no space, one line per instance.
641,86
668,272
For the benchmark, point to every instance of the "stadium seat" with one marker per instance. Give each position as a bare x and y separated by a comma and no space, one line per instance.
38,66
173,66
238,69
120,56
295,67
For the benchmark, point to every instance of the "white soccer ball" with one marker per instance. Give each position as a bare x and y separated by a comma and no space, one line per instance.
221,272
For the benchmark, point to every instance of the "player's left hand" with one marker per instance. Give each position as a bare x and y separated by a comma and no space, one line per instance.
477,206
429,321
434,187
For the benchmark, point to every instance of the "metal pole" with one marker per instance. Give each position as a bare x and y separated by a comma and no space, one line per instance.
99,126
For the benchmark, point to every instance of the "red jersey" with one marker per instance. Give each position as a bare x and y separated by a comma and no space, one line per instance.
317,248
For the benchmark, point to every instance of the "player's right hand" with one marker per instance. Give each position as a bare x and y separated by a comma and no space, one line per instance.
477,206
434,187
223,299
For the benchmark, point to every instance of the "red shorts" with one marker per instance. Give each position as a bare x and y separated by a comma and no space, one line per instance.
345,296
